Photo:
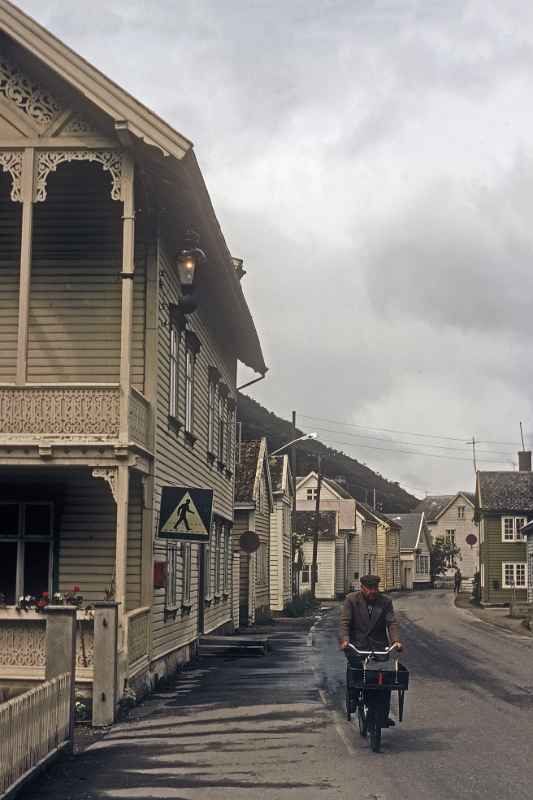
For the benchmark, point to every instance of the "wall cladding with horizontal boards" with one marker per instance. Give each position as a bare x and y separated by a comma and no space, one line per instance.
10,234
75,305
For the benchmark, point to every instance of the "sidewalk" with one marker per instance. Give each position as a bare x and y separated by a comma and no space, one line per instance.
495,616
235,725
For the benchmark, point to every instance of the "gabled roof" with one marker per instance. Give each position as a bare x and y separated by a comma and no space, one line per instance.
379,516
252,461
505,491
333,485
147,131
366,513
280,473
434,506
304,524
411,529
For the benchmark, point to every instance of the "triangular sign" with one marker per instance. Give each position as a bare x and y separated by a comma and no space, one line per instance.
185,518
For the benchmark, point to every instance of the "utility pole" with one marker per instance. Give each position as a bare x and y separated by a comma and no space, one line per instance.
474,452
374,499
294,573
317,529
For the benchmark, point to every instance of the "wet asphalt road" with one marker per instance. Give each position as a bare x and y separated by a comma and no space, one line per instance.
468,729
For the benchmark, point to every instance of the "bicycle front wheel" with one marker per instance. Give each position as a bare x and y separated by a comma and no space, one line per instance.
362,718
375,734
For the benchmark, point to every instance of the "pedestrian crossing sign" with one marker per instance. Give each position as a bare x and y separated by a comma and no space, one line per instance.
185,513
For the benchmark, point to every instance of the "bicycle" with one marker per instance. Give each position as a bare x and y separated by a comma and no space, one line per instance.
365,689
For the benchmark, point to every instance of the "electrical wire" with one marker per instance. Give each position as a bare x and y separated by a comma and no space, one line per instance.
408,433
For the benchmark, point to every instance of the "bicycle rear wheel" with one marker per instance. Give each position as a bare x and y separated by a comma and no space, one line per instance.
362,718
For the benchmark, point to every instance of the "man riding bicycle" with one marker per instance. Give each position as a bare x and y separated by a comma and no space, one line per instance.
368,622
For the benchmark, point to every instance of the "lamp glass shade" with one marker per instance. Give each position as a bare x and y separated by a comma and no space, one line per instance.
186,268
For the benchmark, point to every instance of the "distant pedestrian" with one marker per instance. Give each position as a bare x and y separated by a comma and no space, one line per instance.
457,580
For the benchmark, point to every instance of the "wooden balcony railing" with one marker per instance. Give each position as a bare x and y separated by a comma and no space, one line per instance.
70,412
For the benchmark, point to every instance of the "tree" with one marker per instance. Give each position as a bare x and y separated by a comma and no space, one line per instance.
443,554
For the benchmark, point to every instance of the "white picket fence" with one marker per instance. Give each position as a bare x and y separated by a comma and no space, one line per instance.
33,726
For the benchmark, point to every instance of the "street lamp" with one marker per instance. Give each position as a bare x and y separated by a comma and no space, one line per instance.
187,260
299,439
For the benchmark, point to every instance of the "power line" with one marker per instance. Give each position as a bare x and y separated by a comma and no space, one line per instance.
415,452
409,433
414,444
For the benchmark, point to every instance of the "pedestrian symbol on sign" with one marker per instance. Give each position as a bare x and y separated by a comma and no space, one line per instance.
185,514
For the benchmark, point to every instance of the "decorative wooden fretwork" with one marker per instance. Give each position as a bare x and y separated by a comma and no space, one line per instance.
109,475
11,161
60,410
139,419
23,643
138,628
79,125
49,160
35,101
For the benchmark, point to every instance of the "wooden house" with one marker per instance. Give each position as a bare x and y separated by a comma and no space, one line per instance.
504,505
304,526
368,550
281,532
387,550
253,508
114,381
451,517
334,497
415,550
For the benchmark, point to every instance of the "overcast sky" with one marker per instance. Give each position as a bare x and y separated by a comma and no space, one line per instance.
372,161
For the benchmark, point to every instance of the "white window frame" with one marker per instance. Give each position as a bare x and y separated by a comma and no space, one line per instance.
510,528
514,565
227,557
218,558
306,570
171,585
208,559
211,401
482,576
174,366
186,555
461,512
190,360
221,417
21,539
311,494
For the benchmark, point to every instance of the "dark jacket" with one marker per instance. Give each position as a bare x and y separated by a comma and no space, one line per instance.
366,632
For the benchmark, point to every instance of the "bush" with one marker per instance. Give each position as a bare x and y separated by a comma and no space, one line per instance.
301,605
476,589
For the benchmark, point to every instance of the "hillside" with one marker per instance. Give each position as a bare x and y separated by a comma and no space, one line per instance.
359,480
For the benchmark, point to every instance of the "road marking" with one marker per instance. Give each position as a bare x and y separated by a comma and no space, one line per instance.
340,723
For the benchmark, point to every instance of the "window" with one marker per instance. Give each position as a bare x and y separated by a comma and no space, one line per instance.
482,576
227,557
221,426
422,565
218,557
193,348
311,494
172,577
211,408
262,563
450,536
511,528
207,564
186,583
26,549
514,575
230,433
174,371
460,512
306,573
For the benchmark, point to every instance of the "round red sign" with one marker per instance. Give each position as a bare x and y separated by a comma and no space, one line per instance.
249,542
471,539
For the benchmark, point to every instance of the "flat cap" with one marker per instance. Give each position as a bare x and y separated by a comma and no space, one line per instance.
370,581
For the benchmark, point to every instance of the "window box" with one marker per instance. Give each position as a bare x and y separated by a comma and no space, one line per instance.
190,438
211,457
174,424
221,465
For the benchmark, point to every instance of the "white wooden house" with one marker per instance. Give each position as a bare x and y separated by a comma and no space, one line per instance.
253,508
304,527
111,385
415,550
281,532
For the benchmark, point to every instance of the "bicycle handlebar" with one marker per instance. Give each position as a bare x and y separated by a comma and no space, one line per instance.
374,652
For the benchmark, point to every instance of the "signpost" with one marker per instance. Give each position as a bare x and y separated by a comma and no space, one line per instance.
186,513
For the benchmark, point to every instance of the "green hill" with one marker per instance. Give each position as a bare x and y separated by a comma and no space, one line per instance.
359,480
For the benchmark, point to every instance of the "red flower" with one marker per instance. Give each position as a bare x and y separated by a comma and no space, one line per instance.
76,588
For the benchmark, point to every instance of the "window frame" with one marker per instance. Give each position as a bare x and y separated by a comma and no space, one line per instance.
174,370
186,555
21,539
218,559
227,558
461,512
171,583
514,535
514,565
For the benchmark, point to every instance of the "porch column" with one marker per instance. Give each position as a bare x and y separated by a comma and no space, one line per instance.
128,268
121,554
25,263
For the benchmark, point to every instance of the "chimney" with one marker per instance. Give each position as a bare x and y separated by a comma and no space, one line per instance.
524,460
